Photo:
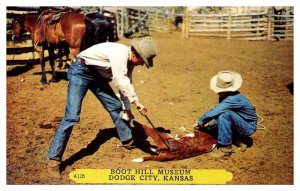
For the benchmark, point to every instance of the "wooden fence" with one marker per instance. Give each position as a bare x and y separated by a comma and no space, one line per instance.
161,22
252,26
141,21
131,20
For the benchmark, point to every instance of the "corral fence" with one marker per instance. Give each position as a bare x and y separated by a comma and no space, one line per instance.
141,20
137,20
130,20
247,26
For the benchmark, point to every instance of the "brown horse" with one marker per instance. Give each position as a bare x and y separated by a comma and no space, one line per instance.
73,29
175,148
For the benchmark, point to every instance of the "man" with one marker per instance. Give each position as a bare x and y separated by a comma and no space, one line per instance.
234,116
92,69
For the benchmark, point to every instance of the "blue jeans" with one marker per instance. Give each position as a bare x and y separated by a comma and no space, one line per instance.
81,79
230,123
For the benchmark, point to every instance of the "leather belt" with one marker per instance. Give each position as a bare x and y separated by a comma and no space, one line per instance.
80,60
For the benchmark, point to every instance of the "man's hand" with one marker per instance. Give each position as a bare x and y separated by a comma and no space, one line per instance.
141,108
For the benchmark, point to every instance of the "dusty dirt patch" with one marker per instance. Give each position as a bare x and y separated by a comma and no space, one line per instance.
176,92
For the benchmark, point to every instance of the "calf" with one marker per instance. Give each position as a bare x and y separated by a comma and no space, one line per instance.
175,148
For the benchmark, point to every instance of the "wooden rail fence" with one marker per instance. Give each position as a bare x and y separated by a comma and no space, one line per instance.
142,21
252,26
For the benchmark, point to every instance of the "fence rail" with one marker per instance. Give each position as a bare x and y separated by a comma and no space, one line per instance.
252,26
30,61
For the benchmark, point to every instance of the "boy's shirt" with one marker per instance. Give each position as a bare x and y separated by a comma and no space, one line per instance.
235,102
111,61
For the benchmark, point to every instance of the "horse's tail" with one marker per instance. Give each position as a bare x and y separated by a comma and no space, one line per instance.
88,39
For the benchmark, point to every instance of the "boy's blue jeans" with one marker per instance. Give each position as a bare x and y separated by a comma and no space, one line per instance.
81,79
230,123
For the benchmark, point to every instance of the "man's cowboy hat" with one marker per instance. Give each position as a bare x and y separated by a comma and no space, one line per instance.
146,48
226,81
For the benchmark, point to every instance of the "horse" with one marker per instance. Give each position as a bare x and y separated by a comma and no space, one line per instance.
73,29
178,20
104,27
174,148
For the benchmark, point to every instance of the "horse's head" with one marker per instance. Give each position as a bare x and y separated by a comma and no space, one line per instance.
17,28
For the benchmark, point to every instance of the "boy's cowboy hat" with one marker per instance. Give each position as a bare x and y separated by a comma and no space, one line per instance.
146,48
226,81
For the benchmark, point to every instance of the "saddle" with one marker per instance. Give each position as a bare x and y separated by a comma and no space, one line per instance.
51,16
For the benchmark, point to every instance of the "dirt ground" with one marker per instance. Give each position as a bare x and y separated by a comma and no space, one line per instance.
176,92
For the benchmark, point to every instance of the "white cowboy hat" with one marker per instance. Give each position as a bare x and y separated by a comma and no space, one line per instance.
226,81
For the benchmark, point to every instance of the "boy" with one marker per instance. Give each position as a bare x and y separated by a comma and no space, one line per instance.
234,115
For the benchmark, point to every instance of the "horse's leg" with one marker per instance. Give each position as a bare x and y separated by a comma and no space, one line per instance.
63,50
60,62
52,64
42,61
67,52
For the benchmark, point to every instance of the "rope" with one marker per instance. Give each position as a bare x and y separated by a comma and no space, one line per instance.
164,140
259,125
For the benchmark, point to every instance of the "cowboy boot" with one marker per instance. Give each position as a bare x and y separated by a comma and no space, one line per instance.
129,144
53,169
242,142
223,151
242,146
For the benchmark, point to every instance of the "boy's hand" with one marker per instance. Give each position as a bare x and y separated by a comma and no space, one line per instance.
196,126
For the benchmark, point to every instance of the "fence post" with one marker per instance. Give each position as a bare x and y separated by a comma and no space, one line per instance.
185,28
229,27
118,24
269,25
126,13
148,23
